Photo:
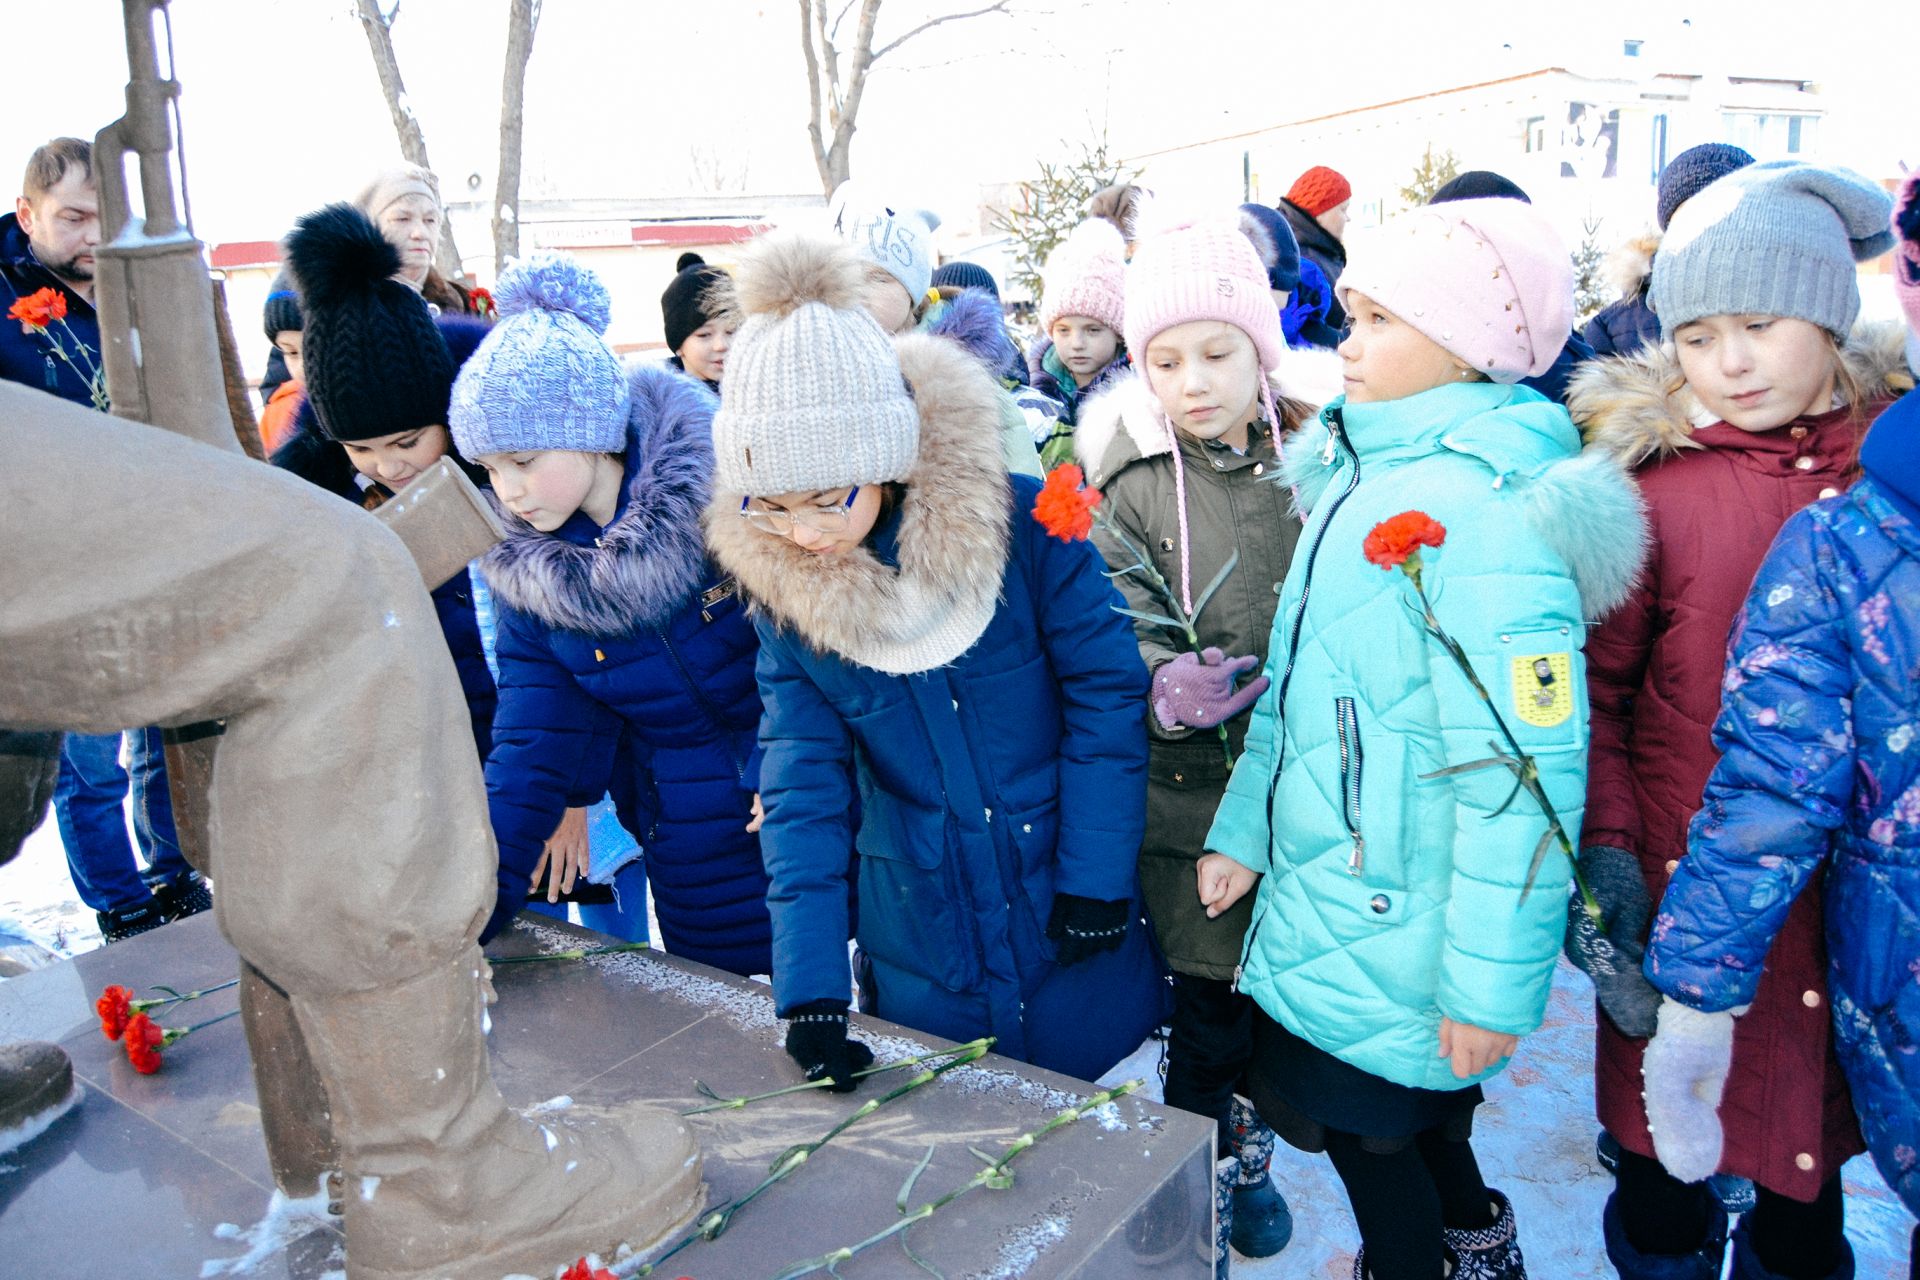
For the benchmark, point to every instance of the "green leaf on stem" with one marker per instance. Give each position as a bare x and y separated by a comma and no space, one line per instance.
1200,605
906,1188
1158,619
1539,856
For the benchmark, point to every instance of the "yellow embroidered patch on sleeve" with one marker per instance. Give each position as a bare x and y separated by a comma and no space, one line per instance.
1543,688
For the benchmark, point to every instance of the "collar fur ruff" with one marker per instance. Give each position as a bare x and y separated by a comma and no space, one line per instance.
953,538
1639,406
641,569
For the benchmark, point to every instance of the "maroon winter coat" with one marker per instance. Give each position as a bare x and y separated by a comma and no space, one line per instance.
1716,497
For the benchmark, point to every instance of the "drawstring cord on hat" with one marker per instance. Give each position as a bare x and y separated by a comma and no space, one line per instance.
1180,480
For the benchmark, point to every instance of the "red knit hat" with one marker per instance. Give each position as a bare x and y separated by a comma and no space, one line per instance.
1320,189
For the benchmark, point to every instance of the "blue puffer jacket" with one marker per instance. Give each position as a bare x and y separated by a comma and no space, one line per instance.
986,782
27,358
311,455
1393,896
626,664
1820,774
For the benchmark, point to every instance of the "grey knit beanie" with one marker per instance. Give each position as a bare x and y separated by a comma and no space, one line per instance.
899,241
815,398
544,378
1774,239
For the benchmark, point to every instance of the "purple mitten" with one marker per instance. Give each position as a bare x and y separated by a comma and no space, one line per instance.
1196,690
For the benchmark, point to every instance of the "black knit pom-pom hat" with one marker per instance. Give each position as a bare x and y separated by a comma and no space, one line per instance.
375,361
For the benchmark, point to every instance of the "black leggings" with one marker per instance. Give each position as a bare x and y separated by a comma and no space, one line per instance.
1403,1199
1662,1215
1208,1049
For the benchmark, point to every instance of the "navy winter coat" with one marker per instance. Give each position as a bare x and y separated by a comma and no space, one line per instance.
985,784
626,664
1820,775
27,358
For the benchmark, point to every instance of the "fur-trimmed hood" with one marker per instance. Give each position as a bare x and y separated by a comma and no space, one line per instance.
1639,406
949,548
974,320
1123,423
1584,506
1630,265
639,570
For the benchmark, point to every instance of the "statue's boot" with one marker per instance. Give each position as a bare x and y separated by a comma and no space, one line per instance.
36,1088
443,1182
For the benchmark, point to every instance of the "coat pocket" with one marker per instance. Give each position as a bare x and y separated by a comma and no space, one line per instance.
913,910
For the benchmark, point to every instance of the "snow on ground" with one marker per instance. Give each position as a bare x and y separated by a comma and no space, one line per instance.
1534,1137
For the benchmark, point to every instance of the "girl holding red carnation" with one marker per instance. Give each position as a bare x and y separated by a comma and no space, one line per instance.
1186,449
1401,940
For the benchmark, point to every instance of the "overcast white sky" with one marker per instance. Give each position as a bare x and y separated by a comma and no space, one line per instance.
640,97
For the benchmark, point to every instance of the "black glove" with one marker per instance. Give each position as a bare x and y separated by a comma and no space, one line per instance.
817,1040
1082,928
1610,952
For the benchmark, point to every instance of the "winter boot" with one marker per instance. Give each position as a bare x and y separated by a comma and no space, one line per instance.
1226,1176
1704,1263
1747,1267
127,922
187,896
1488,1253
1262,1223
36,1088
443,1182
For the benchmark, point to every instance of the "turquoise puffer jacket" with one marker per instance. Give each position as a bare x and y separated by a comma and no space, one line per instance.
1389,897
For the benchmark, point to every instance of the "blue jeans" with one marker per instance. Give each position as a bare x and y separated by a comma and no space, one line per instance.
87,804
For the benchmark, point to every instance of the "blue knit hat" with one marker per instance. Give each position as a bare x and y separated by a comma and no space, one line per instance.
1774,239
1693,170
1274,241
544,378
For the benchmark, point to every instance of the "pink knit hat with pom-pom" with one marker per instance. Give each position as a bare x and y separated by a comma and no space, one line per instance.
1086,275
1489,280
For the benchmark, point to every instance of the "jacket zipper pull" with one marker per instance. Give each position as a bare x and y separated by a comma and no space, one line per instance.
1234,986
1356,864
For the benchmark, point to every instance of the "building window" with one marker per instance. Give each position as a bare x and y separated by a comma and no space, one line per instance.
1632,48
1771,136
1536,135
1659,145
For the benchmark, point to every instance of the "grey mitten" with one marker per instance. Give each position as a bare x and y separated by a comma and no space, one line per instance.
1610,951
1685,1071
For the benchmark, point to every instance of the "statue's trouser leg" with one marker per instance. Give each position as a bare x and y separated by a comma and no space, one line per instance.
164,582
294,1114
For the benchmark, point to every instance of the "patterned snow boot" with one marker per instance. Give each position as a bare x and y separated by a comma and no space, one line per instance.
1488,1253
1262,1223
1226,1176
1703,1263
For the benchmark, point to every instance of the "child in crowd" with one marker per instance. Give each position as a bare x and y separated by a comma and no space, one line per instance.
951,698
284,330
697,309
379,369
1299,290
1816,782
1186,449
1752,413
626,662
1400,944
896,290
1755,410
1080,352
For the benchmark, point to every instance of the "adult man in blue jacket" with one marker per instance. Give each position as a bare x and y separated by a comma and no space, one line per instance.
48,243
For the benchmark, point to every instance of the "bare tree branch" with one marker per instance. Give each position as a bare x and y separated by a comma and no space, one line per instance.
523,19
814,131
413,143
999,6
841,17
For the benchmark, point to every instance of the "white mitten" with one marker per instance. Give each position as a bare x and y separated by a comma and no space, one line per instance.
1685,1070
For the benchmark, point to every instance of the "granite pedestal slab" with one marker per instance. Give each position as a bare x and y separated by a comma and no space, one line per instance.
167,1176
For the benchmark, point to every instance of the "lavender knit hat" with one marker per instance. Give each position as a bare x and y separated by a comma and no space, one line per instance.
544,378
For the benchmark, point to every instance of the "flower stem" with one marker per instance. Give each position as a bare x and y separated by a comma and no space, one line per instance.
176,1034
994,1175
715,1224
1524,768
578,953
175,997
735,1104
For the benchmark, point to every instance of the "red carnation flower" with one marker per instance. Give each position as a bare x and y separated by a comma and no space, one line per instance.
483,303
144,1041
115,1007
1393,541
581,1271
1065,508
39,309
